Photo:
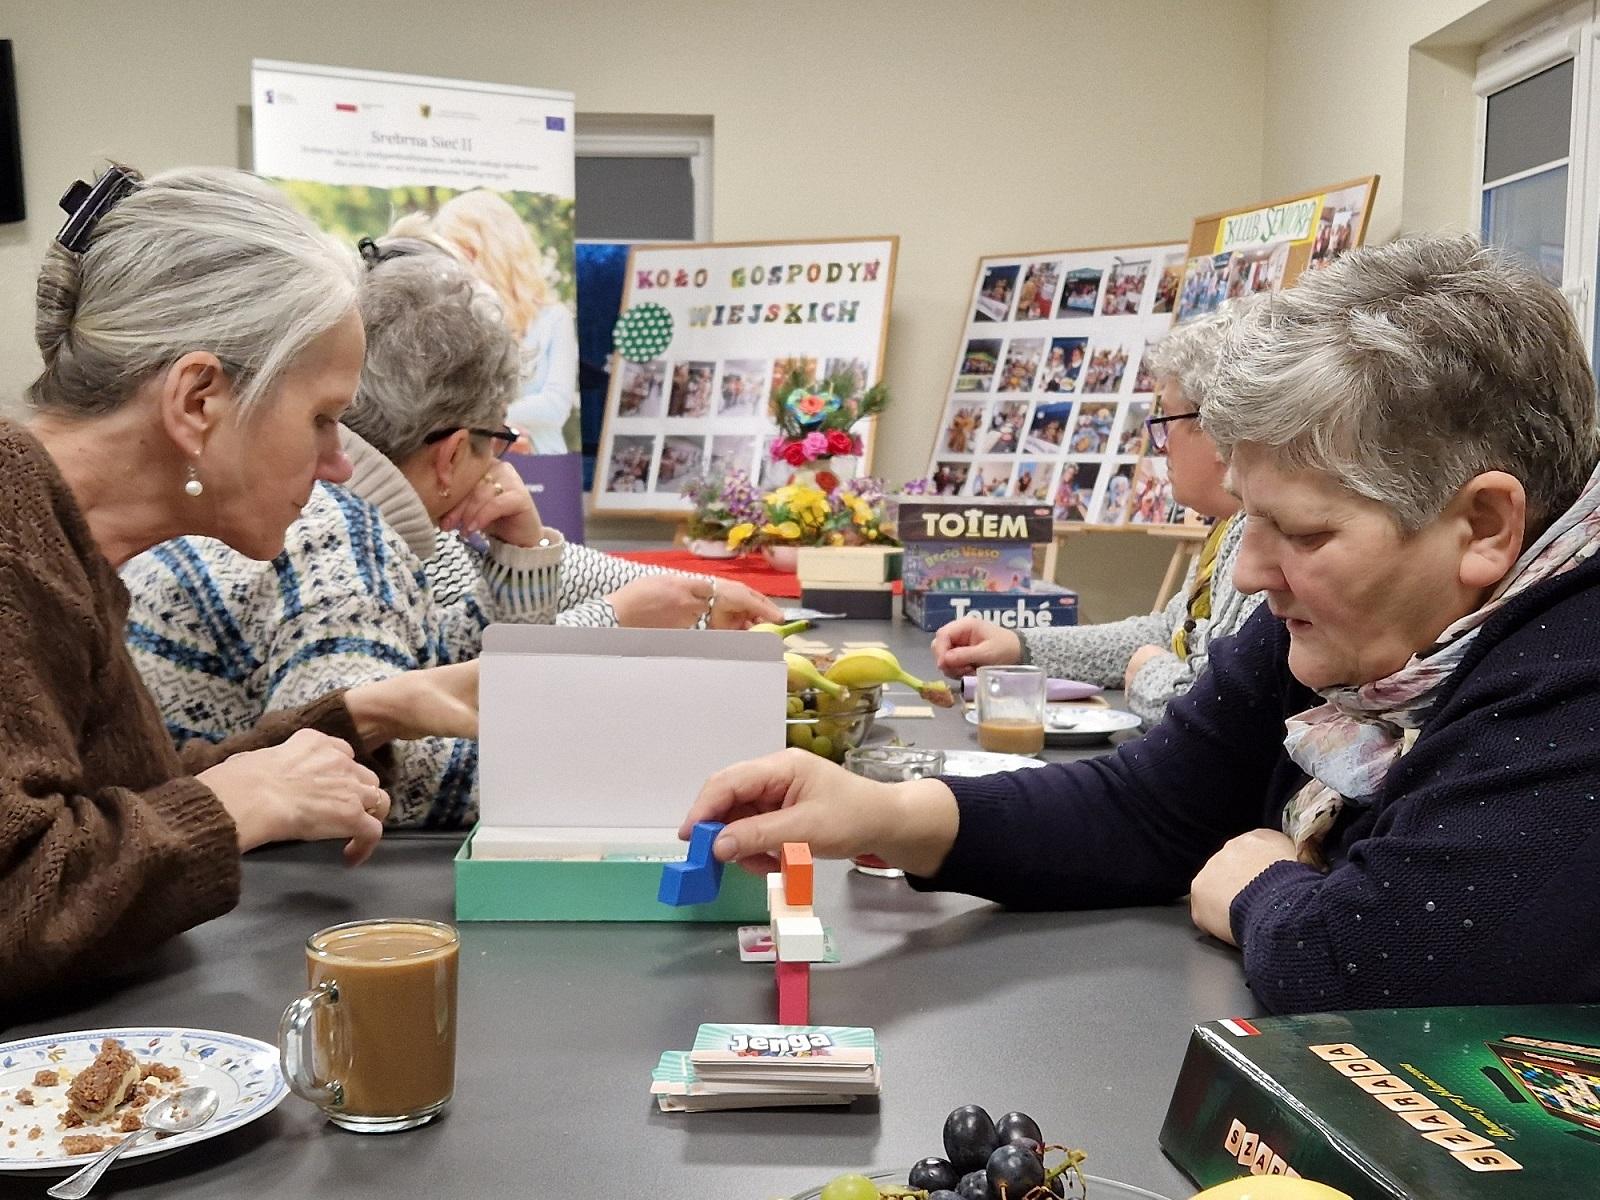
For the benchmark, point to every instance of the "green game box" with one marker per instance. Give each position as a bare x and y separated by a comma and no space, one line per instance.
1401,1104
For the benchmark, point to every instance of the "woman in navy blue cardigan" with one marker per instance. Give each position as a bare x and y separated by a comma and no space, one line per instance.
1385,788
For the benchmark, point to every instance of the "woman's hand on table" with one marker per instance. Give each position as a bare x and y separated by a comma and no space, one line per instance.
795,796
1228,873
427,702
962,646
500,505
307,788
739,607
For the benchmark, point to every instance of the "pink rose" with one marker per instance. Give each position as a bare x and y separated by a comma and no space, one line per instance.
815,444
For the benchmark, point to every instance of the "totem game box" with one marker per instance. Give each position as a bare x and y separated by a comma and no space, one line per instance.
1401,1104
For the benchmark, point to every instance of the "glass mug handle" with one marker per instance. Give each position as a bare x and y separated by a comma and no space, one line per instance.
297,1047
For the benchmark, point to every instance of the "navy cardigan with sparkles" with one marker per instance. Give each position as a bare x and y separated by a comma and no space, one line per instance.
1473,879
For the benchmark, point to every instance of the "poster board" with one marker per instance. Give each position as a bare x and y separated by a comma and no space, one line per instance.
1266,247
1049,393
741,315
354,150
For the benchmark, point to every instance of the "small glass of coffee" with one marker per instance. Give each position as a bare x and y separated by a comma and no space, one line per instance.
373,1043
890,764
1011,709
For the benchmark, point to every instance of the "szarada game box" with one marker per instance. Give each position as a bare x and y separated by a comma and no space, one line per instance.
1424,1104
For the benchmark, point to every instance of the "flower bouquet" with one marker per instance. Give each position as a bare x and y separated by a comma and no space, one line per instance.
723,500
816,418
803,514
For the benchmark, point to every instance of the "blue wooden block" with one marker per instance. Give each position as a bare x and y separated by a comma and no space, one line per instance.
698,880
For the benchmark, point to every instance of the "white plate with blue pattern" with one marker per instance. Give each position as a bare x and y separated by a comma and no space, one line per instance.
243,1071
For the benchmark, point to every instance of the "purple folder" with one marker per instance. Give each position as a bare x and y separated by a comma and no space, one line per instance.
556,481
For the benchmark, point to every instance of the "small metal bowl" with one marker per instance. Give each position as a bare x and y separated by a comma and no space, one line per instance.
830,727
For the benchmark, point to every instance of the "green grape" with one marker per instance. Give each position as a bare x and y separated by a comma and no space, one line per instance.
796,706
822,744
850,1187
800,735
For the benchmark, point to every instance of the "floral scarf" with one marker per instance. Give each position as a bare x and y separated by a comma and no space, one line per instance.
1348,744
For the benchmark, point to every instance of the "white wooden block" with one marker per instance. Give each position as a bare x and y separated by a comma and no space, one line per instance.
777,906
798,939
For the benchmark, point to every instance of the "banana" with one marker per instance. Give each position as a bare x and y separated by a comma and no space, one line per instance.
782,631
803,674
871,666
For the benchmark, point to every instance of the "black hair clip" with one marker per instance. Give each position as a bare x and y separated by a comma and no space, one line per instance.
86,203
372,253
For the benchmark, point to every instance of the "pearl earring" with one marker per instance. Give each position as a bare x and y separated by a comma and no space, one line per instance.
193,487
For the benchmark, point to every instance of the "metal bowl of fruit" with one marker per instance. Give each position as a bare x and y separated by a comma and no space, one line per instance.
829,725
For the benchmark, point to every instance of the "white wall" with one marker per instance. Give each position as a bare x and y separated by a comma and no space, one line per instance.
966,126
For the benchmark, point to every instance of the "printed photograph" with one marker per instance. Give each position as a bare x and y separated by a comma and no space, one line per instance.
1075,492
978,363
1144,379
1034,481
855,368
783,368
1131,433
1091,429
1260,269
732,453
691,389
1205,278
995,293
1063,364
1036,297
990,479
1114,508
1125,288
1167,286
1005,430
1049,427
962,429
1079,292
950,478
1338,226
643,389
1151,502
744,387
1107,365
628,469
681,458
1022,364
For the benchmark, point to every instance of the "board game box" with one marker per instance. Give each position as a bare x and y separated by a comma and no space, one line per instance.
1401,1104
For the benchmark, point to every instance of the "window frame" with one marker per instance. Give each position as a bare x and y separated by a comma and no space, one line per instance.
695,147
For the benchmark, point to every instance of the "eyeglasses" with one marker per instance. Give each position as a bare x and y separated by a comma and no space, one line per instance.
503,438
1157,428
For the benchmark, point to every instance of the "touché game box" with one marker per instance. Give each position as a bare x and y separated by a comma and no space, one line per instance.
1420,1104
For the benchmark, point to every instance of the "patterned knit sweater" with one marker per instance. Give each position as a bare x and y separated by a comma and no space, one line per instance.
108,844
1469,880
1100,653
365,588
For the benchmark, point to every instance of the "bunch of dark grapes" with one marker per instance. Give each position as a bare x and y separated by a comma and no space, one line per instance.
985,1159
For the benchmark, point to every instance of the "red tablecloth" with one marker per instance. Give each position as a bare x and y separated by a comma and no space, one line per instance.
752,570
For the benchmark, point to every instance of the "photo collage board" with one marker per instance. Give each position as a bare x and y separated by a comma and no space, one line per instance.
1050,390
1266,247
739,319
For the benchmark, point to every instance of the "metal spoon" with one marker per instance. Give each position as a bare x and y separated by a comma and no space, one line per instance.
178,1113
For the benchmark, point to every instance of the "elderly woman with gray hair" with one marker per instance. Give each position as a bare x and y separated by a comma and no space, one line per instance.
374,579
1158,655
1412,435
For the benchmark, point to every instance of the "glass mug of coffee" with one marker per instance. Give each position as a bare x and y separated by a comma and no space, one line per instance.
1011,709
373,1043
890,764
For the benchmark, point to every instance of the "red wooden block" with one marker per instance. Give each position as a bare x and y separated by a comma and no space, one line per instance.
796,861
794,993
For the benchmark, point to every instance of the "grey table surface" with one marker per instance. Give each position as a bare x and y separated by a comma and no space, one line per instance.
1080,1019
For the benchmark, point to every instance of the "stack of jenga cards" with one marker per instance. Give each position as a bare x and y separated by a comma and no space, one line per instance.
768,1066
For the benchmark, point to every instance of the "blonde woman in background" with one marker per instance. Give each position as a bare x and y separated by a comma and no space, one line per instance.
486,232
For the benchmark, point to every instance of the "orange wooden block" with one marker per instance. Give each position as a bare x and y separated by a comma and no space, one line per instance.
796,862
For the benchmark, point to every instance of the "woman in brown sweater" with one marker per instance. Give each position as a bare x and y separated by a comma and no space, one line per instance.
200,341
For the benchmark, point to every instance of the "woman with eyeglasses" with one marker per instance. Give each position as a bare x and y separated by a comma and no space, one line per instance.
1156,656
376,577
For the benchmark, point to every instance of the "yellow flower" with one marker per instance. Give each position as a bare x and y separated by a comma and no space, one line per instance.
740,534
836,539
788,530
